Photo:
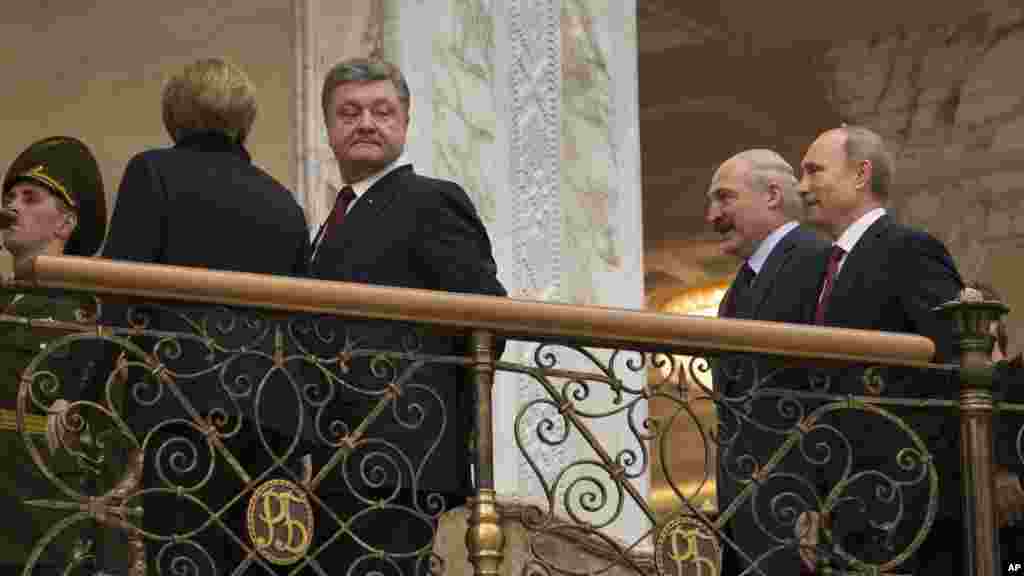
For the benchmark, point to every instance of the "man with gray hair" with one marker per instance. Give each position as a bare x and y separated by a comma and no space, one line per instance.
753,203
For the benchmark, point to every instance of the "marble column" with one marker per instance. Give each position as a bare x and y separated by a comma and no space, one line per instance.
326,32
530,105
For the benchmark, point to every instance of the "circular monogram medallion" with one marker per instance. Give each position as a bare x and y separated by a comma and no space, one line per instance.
280,521
685,547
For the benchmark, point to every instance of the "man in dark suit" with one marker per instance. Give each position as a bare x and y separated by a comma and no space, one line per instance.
882,275
753,203
391,226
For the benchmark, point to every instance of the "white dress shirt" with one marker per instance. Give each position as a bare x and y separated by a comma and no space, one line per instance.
853,233
764,249
360,188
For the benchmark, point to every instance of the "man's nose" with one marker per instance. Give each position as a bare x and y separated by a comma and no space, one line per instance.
711,214
366,121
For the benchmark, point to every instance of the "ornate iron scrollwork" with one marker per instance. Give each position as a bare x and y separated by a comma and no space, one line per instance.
219,411
804,467
227,407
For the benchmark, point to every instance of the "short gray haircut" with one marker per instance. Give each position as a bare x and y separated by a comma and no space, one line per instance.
363,70
863,144
765,166
209,95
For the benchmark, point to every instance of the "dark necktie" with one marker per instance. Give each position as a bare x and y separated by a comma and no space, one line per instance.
738,292
337,215
830,279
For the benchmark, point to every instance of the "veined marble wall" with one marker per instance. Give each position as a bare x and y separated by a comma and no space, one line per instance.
530,105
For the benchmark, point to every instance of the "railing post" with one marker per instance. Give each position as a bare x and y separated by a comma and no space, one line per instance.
129,484
485,538
972,319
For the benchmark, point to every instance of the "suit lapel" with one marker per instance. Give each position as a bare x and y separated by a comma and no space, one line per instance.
765,279
372,205
724,304
365,216
859,259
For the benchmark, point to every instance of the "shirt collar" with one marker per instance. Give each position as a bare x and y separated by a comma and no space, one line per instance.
853,233
764,249
363,185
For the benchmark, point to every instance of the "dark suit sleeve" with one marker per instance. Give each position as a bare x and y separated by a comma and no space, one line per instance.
303,253
931,279
454,250
453,247
137,228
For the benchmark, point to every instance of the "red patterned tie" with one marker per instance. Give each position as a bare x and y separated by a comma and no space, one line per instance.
830,278
341,204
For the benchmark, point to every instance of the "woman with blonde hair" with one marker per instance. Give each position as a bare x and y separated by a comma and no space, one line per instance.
202,203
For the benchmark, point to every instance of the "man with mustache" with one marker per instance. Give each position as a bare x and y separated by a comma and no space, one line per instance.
753,203
882,275
54,204
391,226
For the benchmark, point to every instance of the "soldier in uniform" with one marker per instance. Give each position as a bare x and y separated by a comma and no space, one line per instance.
53,204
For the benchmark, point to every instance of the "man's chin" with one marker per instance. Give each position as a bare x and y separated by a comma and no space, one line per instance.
814,217
362,166
729,248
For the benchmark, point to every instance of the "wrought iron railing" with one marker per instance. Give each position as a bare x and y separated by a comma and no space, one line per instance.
218,421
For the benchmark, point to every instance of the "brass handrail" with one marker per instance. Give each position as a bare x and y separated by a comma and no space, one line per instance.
509,317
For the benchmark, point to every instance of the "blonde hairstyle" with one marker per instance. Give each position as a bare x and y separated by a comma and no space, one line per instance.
209,95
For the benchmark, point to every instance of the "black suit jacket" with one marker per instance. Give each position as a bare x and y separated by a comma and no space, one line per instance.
783,291
411,231
779,292
892,280
203,203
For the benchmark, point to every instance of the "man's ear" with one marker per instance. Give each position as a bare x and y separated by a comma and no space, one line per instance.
67,226
774,195
865,170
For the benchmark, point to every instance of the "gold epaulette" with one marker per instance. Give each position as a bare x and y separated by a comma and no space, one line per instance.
34,423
